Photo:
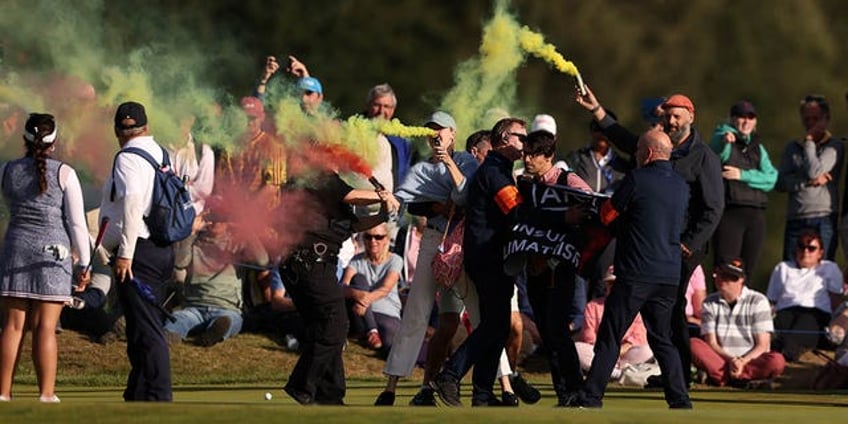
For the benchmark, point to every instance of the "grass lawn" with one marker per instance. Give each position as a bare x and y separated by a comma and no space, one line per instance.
227,383
219,403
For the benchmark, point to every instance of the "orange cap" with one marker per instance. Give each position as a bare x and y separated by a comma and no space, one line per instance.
679,100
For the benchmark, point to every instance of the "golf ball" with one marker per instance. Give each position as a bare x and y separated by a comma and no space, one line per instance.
268,396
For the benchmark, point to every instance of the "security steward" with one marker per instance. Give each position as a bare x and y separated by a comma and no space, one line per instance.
309,273
647,212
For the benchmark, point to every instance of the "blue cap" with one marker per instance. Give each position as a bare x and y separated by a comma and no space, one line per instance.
647,109
310,84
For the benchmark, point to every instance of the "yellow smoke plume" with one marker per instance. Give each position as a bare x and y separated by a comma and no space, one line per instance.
395,127
534,43
486,81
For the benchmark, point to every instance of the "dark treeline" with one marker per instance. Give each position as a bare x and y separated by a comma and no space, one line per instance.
715,51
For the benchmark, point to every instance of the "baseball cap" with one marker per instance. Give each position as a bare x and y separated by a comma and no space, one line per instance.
310,84
130,115
648,109
252,106
442,119
743,108
734,267
544,123
679,100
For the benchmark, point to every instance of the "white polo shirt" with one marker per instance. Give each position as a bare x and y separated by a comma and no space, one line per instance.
133,178
791,286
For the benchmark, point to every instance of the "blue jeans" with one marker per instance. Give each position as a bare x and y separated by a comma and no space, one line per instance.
824,225
201,318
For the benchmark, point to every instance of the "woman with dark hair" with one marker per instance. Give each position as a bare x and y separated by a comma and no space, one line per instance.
804,292
47,222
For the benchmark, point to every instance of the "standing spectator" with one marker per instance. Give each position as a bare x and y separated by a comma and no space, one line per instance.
381,104
736,331
809,172
36,265
701,169
479,144
648,210
598,163
804,292
748,176
127,196
309,273
430,188
372,278
312,92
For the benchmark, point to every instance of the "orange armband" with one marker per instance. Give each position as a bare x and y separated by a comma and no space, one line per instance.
608,213
508,198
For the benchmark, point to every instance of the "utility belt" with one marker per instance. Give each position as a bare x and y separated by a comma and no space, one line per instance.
301,261
316,253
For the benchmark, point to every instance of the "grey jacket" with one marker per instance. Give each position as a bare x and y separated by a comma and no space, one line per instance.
803,162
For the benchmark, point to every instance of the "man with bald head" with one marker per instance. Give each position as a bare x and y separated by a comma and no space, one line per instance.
646,214
700,167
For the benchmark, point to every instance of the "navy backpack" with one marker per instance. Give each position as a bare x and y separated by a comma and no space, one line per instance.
172,212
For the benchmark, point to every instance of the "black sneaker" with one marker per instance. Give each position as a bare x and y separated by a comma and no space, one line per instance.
485,399
509,399
654,382
302,398
386,398
215,334
527,393
424,397
447,388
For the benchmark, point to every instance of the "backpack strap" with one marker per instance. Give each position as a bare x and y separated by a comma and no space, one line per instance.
166,162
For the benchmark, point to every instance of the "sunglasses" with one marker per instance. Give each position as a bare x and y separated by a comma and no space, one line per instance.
521,137
370,237
808,247
814,98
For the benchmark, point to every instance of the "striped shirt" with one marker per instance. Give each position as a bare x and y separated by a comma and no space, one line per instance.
735,327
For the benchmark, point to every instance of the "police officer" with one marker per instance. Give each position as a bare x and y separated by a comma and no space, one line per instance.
309,273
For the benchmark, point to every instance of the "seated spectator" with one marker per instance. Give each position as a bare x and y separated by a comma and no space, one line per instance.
634,345
371,278
736,328
804,293
212,294
86,313
696,291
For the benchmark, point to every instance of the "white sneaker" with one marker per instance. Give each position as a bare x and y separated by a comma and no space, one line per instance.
5,398
49,399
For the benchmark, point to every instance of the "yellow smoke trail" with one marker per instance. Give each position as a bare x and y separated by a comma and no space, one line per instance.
487,81
534,43
395,127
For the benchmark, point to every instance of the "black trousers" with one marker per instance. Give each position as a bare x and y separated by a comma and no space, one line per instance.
318,375
482,349
550,293
679,325
799,330
740,234
147,348
655,302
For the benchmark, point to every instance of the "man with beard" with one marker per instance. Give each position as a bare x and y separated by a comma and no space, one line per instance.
701,168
